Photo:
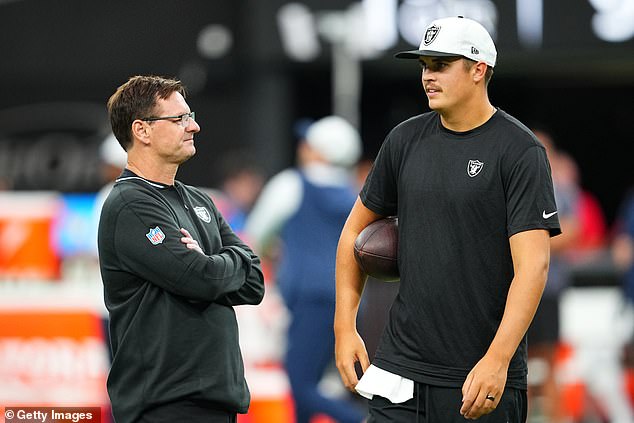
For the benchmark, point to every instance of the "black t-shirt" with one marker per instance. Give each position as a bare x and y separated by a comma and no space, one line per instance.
459,197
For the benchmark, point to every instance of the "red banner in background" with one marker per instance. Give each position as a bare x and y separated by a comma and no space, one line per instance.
52,358
27,250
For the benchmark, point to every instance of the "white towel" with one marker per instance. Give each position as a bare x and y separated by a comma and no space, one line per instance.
380,382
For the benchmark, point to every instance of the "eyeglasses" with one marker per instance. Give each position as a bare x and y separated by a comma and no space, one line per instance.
183,120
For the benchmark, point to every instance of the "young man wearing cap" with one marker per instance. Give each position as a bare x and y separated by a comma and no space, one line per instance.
307,207
472,189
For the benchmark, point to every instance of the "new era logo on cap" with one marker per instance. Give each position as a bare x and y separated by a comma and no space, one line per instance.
455,36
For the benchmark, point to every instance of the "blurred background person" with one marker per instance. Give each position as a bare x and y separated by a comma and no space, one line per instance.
575,337
241,180
543,333
4,184
113,160
622,251
306,207
623,244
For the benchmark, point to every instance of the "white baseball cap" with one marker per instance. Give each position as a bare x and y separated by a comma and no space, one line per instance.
455,36
111,152
336,140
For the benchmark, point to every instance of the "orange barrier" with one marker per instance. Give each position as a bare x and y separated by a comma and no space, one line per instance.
269,410
26,243
52,357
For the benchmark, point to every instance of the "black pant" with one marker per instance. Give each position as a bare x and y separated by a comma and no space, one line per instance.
434,404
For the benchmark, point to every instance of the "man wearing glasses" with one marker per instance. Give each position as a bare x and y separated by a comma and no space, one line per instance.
172,270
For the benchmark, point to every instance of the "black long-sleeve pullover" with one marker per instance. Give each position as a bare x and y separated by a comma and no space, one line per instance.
173,330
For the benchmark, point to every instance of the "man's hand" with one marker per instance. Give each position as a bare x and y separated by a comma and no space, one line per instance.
483,388
190,242
350,349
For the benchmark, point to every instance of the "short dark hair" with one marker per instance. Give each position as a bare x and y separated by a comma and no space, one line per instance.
137,99
487,76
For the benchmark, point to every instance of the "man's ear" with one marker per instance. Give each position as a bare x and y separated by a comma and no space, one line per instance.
479,71
141,131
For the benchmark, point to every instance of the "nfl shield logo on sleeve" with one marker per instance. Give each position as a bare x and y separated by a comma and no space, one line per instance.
156,236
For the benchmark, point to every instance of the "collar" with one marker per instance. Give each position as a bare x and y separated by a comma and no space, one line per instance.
128,175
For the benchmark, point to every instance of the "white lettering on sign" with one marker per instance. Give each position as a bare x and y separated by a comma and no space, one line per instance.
530,22
54,359
613,20
415,15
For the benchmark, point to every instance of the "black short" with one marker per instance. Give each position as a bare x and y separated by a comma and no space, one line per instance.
433,404
187,411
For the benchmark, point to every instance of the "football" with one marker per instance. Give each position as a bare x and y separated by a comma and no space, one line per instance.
376,249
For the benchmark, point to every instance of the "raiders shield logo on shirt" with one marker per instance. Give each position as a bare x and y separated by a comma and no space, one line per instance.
203,214
474,167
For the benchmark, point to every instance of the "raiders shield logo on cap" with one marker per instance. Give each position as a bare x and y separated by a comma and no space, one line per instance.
431,34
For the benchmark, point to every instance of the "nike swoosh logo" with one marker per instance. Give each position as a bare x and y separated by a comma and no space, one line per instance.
547,215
